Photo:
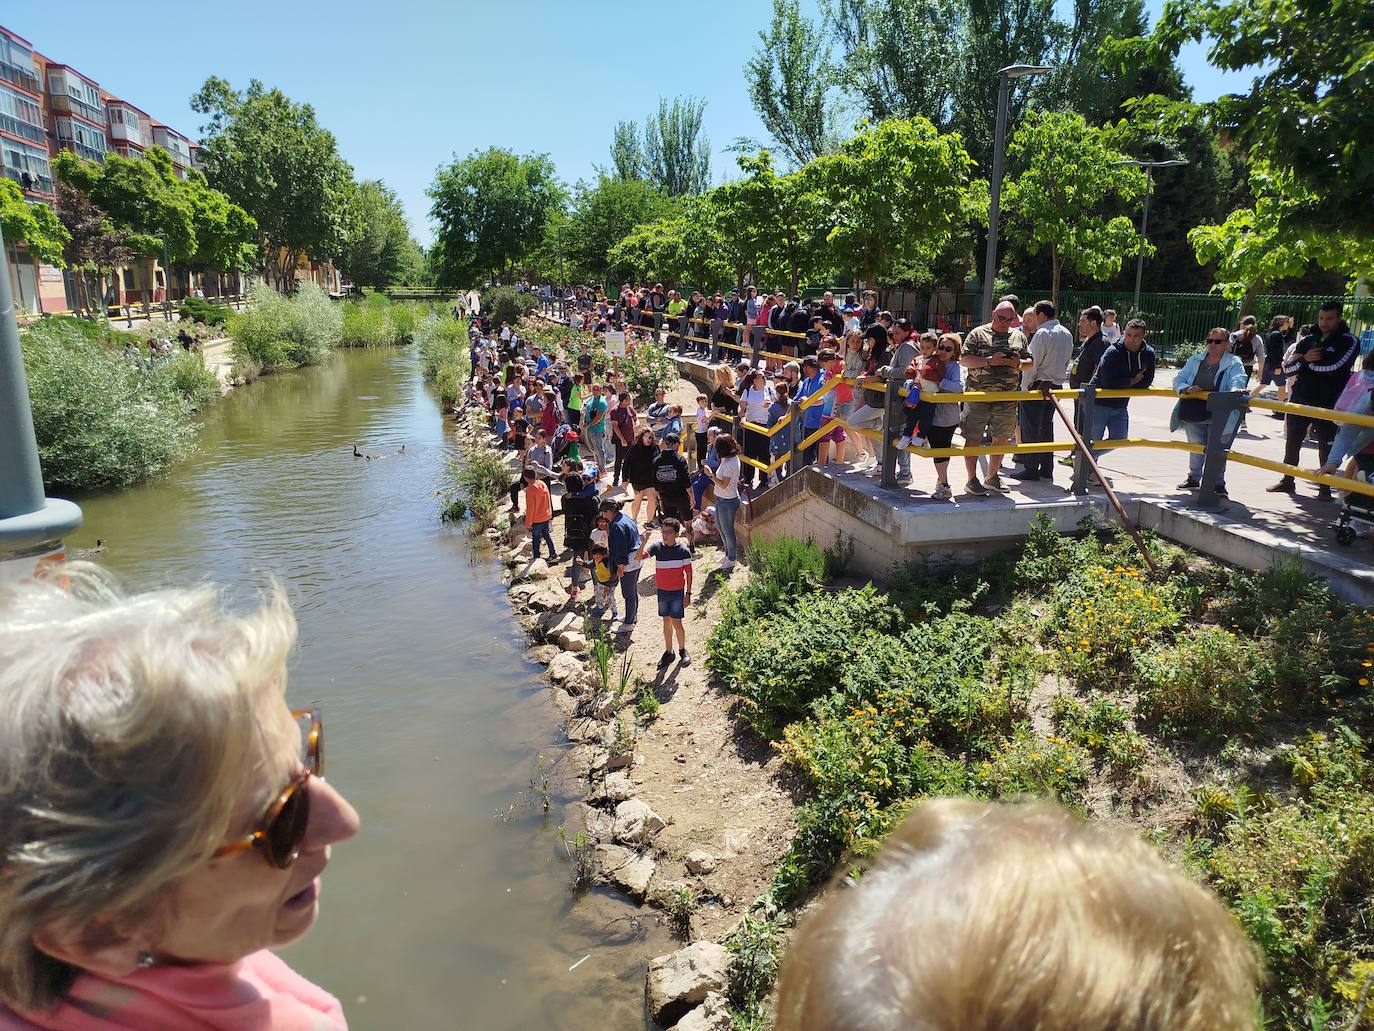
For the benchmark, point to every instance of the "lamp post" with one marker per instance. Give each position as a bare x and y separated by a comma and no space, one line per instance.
999,144
31,526
1145,217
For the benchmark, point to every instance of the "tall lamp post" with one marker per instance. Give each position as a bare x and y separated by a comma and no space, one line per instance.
1145,217
999,146
31,526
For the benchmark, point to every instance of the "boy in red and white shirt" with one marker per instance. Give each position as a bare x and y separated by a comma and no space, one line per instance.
673,579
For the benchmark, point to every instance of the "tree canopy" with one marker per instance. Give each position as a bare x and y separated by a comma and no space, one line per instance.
271,157
33,225
378,250
490,208
677,155
792,81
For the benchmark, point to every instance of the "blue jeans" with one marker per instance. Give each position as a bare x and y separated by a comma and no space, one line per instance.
1197,433
629,590
726,510
596,440
1109,424
540,532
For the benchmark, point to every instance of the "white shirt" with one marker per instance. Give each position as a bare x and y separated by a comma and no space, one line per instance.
1111,332
756,404
728,470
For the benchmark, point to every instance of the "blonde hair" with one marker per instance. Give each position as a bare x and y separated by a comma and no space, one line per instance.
125,754
725,376
995,917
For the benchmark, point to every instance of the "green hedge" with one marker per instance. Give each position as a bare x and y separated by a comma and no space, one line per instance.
280,332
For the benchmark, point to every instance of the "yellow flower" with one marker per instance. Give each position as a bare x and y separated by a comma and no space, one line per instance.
1364,681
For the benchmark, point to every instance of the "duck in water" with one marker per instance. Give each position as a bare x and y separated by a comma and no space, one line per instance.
83,553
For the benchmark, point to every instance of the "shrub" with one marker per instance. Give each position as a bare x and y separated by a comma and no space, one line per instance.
1023,764
1300,877
646,367
1102,727
185,376
366,325
1209,682
503,304
786,566
444,361
757,948
781,662
1100,612
198,309
481,478
280,332
100,419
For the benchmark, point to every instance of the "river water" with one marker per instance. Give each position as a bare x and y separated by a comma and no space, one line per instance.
439,914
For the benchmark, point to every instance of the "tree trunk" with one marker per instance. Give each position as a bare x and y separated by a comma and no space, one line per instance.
1054,276
1251,292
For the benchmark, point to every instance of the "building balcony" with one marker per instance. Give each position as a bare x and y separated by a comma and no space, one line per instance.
126,133
65,103
21,77
29,182
16,127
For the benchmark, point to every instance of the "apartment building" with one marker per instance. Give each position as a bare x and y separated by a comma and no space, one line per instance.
47,107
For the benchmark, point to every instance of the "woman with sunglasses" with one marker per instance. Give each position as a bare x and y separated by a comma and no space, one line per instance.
1212,370
164,820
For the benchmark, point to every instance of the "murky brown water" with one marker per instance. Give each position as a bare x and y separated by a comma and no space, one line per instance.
438,915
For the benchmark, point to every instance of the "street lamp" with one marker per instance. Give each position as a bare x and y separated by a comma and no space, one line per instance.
31,526
1145,216
999,143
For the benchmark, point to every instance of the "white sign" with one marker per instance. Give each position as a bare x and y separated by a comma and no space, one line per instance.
615,343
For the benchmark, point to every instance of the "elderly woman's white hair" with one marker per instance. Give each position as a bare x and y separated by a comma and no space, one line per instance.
130,722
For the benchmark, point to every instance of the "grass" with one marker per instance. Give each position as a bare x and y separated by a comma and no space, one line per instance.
1069,672
377,321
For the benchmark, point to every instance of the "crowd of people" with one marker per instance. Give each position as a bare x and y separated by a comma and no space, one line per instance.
1020,348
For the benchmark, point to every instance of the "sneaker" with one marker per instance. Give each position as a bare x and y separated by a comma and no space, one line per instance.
1276,415
941,493
1324,493
1220,488
903,441
684,658
1189,484
1284,486
623,628
974,487
726,565
995,483
665,660
1066,460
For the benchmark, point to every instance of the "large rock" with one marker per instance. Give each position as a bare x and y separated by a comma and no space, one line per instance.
635,822
565,667
535,569
548,598
565,703
572,641
521,593
681,981
711,1015
616,788
600,707
543,653
584,730
700,862
551,624
623,869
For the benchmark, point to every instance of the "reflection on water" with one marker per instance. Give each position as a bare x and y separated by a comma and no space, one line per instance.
438,915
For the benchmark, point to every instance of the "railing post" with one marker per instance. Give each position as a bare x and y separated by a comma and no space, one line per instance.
795,437
717,331
756,335
1087,401
892,410
1222,407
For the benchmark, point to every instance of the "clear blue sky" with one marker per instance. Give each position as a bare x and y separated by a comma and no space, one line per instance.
404,85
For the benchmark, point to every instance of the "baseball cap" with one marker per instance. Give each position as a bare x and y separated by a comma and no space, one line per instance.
711,510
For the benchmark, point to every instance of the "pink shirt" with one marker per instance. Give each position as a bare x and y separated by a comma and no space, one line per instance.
258,993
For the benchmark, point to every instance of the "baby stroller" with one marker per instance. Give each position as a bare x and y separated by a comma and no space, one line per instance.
563,437
1356,508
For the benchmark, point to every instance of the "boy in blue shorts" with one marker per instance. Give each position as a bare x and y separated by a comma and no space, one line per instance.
673,578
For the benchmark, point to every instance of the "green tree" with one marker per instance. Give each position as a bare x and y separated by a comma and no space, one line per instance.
1308,109
1256,245
792,81
270,156
94,246
33,225
677,156
627,152
1070,172
896,192
141,204
489,207
682,247
901,58
774,222
604,214
379,239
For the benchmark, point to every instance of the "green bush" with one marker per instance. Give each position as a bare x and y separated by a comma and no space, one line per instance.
444,356
1207,682
69,329
100,419
786,566
503,304
647,367
481,478
198,309
780,662
1300,877
1100,612
184,376
280,332
366,325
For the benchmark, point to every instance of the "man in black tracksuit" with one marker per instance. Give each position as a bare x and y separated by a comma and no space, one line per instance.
1317,367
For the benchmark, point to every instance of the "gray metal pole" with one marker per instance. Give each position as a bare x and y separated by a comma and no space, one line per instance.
1140,258
30,524
999,141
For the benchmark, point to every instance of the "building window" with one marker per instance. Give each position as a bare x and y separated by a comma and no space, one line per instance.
21,116
27,165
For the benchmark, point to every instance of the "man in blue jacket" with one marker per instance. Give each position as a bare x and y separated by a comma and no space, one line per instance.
623,541
1128,364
